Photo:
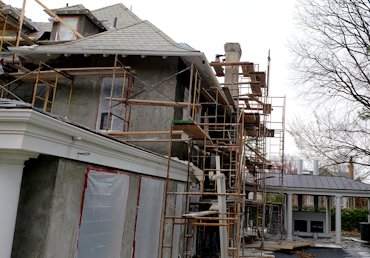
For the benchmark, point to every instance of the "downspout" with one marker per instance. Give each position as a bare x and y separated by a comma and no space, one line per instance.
221,200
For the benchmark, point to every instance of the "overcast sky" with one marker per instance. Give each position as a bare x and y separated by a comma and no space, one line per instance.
207,24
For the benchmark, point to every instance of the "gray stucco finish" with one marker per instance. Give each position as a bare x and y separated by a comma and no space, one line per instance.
49,208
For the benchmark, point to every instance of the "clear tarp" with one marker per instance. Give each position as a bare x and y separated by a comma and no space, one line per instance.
148,224
103,215
178,212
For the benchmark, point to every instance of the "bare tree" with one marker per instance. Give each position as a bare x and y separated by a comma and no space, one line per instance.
335,141
331,60
331,53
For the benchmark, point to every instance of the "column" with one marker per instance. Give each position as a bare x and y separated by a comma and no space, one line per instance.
328,215
289,236
11,169
338,221
285,213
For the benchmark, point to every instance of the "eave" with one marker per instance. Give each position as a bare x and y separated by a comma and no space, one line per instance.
26,130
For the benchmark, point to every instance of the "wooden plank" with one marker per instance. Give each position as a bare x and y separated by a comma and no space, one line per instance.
189,127
258,155
197,214
259,77
229,97
158,103
229,63
251,119
142,133
194,131
219,71
247,69
256,89
50,74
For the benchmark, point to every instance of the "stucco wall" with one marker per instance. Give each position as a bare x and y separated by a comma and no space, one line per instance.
49,210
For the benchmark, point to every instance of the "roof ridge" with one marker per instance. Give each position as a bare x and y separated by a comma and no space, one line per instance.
165,36
105,7
120,5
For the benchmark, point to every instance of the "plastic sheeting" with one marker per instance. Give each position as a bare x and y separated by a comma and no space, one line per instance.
148,224
178,212
103,215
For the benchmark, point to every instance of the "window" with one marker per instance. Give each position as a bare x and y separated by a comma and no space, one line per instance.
62,32
116,117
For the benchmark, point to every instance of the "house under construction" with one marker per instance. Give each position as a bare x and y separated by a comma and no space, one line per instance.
117,141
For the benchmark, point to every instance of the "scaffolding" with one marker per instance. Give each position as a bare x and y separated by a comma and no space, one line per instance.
232,142
228,146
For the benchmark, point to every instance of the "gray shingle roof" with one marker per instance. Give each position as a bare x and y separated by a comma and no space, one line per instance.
318,183
67,9
42,27
124,16
142,38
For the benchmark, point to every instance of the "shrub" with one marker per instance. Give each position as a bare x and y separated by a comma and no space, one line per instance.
351,218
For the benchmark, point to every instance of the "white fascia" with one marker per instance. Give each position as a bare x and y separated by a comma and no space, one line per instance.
31,131
321,192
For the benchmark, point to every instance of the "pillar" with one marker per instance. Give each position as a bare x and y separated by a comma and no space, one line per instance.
338,220
328,215
11,169
289,236
286,214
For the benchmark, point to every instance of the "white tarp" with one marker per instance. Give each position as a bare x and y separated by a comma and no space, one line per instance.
178,212
148,224
103,215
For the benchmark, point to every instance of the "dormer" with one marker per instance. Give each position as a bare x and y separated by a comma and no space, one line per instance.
78,18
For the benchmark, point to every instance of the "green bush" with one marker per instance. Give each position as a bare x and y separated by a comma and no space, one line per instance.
351,218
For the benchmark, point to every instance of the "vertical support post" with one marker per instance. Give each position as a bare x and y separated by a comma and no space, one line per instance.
190,89
328,215
285,212
290,217
21,19
69,99
3,34
35,86
166,186
54,92
11,169
338,219
109,123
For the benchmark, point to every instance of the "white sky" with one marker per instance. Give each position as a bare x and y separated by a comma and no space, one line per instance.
207,24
